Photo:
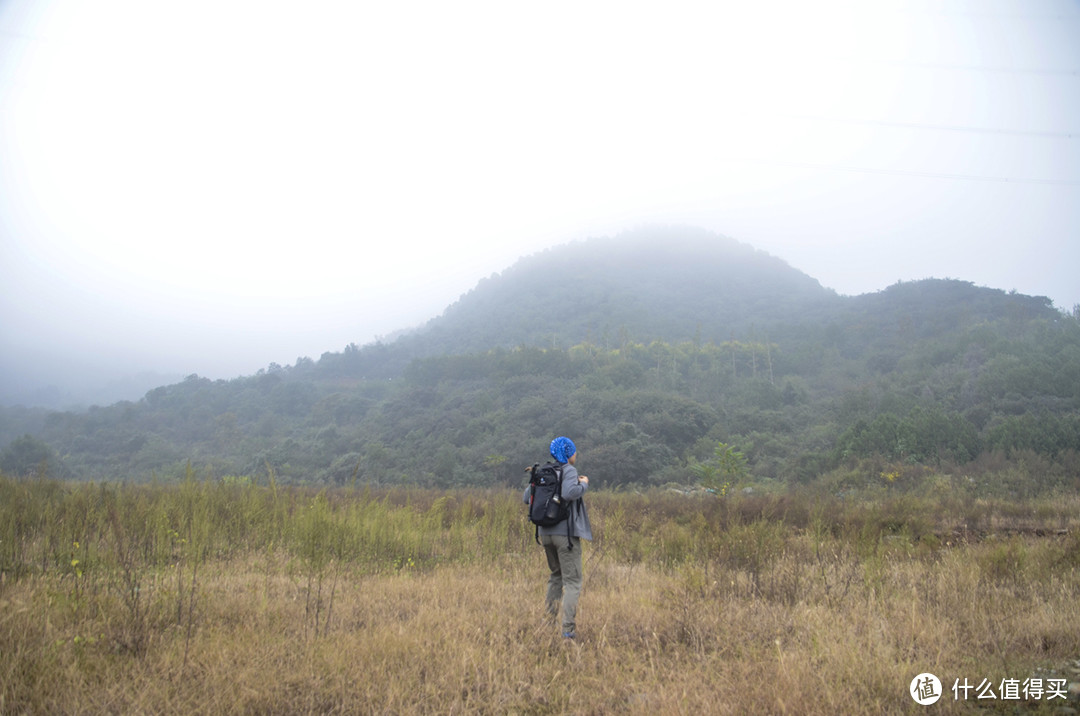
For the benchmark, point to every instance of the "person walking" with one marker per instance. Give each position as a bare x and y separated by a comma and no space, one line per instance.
562,541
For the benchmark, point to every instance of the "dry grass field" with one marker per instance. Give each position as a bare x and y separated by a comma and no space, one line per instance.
231,598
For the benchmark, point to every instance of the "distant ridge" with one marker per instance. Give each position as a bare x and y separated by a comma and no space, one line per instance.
650,284
672,284
667,283
651,347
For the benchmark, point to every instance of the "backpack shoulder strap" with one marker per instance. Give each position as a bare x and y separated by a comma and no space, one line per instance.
569,508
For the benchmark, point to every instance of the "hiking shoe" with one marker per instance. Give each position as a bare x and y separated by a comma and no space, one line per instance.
569,635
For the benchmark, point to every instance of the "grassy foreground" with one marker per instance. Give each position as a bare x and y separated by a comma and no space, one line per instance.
227,597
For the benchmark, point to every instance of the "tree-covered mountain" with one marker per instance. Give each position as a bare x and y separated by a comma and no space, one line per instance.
636,287
650,349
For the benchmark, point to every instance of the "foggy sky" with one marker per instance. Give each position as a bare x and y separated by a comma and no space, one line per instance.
212,186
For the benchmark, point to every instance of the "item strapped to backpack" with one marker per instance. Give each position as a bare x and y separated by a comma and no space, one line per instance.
546,505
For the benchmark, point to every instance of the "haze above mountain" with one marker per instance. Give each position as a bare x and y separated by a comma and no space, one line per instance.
650,346
667,283
318,174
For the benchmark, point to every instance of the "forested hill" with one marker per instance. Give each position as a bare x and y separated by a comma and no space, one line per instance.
650,349
670,284
632,288
674,285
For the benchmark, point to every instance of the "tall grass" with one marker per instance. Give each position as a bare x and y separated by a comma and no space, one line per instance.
231,597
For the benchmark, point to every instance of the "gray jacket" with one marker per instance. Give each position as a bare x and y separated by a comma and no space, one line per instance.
572,491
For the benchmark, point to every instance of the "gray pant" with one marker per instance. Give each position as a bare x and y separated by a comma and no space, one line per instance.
564,584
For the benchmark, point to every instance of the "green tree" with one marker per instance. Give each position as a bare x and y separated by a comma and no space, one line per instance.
723,471
28,455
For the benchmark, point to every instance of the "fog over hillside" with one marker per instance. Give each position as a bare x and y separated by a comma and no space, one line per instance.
650,347
661,260
317,175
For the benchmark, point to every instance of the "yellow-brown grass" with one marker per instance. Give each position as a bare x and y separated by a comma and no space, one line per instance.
707,611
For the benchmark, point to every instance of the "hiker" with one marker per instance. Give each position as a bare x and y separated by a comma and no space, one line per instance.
562,542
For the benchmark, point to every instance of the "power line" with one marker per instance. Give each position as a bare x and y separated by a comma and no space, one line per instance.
983,68
953,67
910,172
937,127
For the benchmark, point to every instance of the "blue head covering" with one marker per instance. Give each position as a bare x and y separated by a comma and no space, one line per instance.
562,449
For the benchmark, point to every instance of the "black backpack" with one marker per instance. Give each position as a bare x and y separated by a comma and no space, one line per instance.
546,505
